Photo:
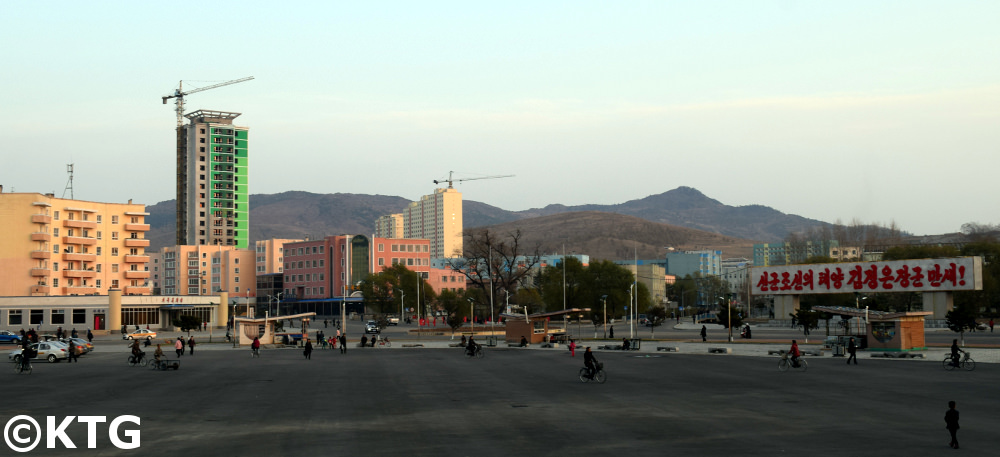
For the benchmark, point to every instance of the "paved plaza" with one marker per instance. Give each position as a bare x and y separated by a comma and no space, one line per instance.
433,401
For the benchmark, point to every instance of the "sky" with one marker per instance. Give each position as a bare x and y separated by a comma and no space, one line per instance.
884,112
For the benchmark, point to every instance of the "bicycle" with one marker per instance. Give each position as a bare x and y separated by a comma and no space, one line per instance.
785,363
23,366
599,374
254,353
965,362
384,342
478,354
140,361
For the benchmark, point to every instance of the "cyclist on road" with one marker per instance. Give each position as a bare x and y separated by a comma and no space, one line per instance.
590,362
954,352
158,354
136,351
255,345
471,347
26,353
795,354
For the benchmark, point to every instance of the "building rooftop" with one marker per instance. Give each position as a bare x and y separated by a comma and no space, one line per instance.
218,117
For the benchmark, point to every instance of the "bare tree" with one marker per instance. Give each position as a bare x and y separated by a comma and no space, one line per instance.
493,262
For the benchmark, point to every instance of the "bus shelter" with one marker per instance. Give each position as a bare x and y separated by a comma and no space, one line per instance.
884,331
533,327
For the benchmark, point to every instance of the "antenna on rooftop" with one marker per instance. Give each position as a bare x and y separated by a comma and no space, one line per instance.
69,184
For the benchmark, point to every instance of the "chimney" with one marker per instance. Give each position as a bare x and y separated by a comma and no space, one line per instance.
130,201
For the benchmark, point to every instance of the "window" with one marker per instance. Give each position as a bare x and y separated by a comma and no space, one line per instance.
99,234
114,235
55,248
98,250
236,270
114,267
381,261
37,316
55,282
14,317
55,266
58,317
55,215
114,219
98,218
237,280
55,232
114,252
98,267
79,316
114,283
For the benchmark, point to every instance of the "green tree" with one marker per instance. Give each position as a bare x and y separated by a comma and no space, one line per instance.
187,322
656,315
808,318
380,293
960,319
454,307
729,316
550,283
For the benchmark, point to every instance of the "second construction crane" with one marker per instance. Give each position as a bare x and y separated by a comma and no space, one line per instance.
450,181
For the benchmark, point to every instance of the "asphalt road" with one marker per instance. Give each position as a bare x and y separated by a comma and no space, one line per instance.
435,402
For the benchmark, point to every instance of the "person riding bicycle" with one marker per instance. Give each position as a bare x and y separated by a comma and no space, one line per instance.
26,353
136,352
794,353
471,347
955,359
255,346
590,362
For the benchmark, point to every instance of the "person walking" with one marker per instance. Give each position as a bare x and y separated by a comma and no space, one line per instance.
90,336
309,349
72,351
611,332
343,343
991,325
191,344
74,334
179,346
951,423
572,348
853,350
704,334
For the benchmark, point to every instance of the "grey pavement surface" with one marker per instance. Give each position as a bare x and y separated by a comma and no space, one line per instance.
433,401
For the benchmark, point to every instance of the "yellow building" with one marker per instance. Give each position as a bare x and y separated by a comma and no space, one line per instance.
206,270
54,246
390,226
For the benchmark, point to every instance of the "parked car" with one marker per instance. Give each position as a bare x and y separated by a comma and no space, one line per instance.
371,327
53,351
392,320
8,337
140,334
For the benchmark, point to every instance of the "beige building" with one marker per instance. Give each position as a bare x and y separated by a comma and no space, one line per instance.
53,246
270,256
438,218
206,270
390,226
654,277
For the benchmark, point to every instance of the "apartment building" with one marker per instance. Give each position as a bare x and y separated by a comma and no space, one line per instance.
53,246
212,189
270,257
436,217
207,270
389,226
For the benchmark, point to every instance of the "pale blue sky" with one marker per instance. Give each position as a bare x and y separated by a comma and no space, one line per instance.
831,110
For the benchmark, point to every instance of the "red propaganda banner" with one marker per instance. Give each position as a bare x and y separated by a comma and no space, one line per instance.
918,275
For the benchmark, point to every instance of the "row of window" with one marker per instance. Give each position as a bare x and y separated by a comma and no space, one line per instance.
305,278
71,216
37,317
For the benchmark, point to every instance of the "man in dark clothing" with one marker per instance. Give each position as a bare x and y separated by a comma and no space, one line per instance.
704,333
90,336
954,352
853,350
611,332
364,340
309,349
191,344
343,343
624,344
951,423
72,351
590,362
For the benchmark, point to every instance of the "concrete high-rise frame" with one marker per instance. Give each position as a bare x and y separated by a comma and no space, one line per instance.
212,192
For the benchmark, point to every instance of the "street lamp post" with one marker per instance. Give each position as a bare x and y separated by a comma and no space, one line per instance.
631,326
472,316
857,305
278,310
402,295
604,299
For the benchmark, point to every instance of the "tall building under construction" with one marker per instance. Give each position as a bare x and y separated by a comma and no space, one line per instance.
436,217
212,193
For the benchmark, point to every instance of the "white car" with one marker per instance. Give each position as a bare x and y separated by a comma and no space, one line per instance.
53,351
371,327
140,334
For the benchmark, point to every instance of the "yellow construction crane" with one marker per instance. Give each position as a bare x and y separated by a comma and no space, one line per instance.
179,94
450,181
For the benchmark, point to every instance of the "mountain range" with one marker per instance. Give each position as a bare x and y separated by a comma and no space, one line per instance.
681,218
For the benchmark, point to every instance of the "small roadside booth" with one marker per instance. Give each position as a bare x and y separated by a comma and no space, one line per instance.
249,328
887,332
533,327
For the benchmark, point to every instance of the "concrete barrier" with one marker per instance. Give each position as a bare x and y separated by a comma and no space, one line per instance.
668,348
720,350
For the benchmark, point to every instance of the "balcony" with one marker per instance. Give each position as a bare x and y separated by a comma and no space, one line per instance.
41,219
79,240
40,272
136,258
40,291
137,227
79,290
79,257
41,255
136,243
79,224
79,273
136,274
137,290
41,236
